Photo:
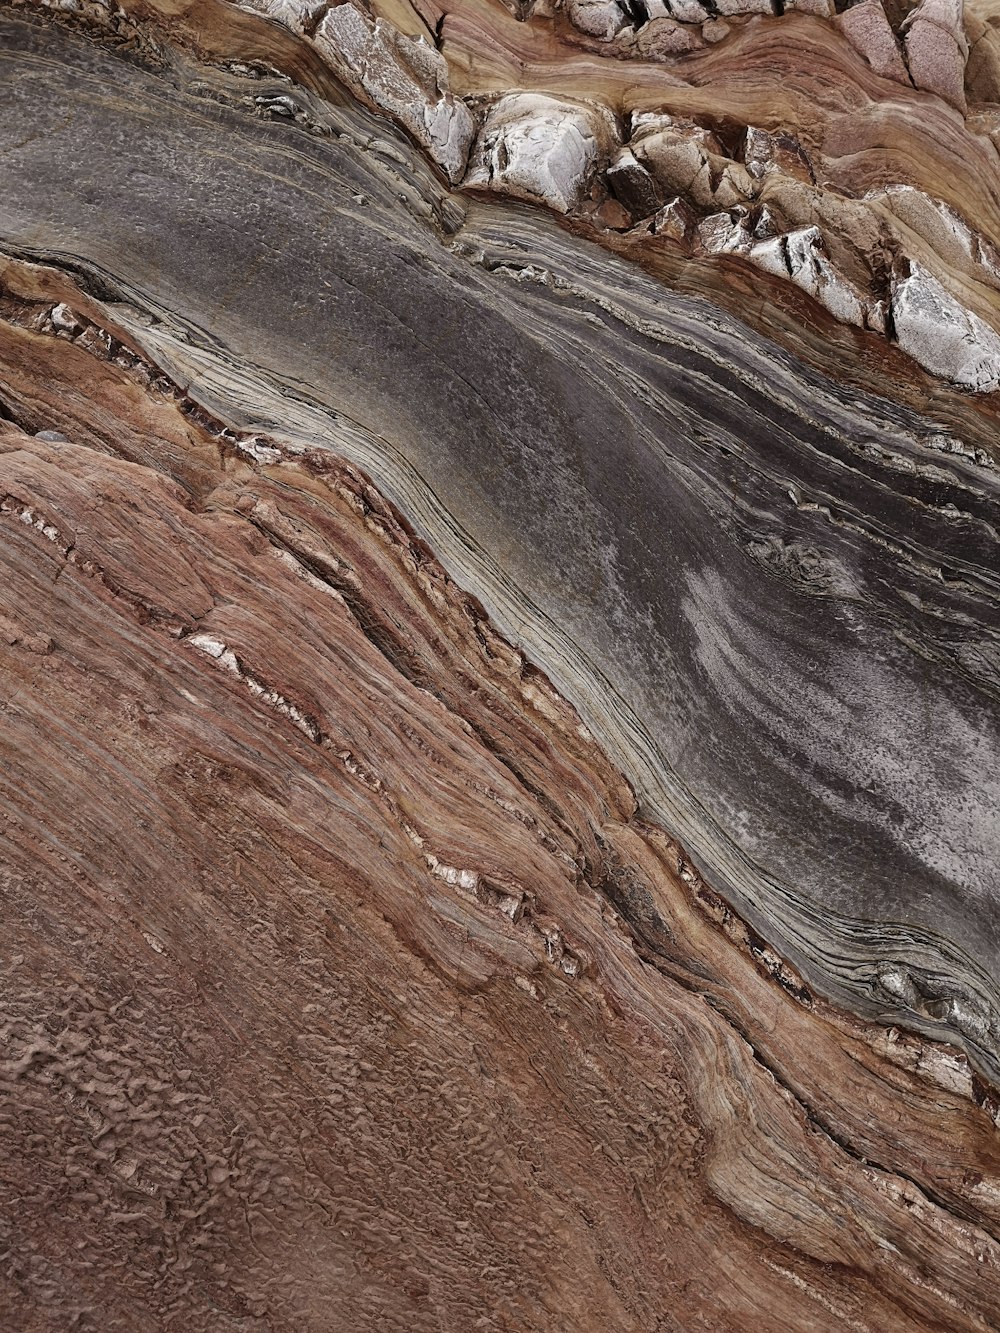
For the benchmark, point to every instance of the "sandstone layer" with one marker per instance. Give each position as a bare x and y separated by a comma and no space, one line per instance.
499,666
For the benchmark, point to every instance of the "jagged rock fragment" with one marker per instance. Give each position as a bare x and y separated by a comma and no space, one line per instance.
940,334
867,29
676,220
602,19
685,158
820,8
723,234
633,185
944,230
731,8
798,256
665,37
689,11
404,77
765,153
294,14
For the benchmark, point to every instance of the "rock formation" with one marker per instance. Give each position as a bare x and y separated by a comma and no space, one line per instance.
500,658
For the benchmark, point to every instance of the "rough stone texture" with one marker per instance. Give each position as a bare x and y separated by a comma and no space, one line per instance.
633,185
941,335
937,48
296,14
404,77
597,18
867,29
342,974
541,149
362,969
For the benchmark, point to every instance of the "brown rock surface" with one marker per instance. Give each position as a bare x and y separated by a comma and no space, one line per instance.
343,986
345,980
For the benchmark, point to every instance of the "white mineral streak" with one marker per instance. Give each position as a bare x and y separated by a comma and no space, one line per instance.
228,660
404,77
540,148
941,335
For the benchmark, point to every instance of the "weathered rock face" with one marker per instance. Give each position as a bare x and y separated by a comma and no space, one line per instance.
498,668
867,29
943,337
403,77
540,149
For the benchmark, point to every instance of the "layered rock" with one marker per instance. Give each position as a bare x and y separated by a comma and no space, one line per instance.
360,923
500,659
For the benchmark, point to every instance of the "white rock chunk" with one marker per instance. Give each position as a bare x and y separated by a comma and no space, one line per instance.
809,267
799,257
729,8
294,14
821,8
404,77
687,159
722,234
675,219
542,149
602,19
946,231
688,11
940,334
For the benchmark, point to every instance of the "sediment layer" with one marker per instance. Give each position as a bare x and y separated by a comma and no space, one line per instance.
500,660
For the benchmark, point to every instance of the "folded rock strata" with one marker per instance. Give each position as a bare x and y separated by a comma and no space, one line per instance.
499,666
544,148
345,915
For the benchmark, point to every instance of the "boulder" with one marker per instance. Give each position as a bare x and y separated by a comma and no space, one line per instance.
541,148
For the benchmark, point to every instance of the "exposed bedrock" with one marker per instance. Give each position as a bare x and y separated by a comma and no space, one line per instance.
772,598
343,983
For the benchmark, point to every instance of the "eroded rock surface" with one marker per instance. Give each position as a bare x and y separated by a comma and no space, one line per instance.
541,149
404,77
499,667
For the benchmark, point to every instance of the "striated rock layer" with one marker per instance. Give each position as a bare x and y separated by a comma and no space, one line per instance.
344,984
600,934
